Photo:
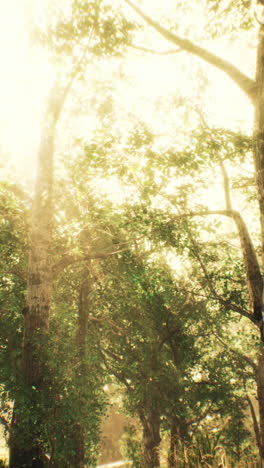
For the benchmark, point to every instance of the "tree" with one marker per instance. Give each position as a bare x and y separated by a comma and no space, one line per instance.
156,352
254,90
90,30
72,268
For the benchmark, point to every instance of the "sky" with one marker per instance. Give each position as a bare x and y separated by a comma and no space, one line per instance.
26,76
24,81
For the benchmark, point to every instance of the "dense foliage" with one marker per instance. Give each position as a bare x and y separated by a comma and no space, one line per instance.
153,275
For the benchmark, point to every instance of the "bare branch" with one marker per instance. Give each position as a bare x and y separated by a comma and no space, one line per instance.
155,52
243,81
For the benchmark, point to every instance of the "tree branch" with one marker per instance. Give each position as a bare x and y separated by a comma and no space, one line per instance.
243,81
215,295
253,273
155,52
69,260
201,417
248,360
119,375
168,337
57,95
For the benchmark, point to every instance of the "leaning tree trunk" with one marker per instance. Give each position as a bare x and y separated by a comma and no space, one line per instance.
26,443
259,132
259,171
151,437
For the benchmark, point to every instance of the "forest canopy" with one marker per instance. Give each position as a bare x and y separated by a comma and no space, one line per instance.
132,231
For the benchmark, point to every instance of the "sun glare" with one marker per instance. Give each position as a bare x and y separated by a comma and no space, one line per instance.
26,77
23,82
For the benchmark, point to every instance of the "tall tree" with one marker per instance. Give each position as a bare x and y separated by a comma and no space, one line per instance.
158,350
254,90
91,29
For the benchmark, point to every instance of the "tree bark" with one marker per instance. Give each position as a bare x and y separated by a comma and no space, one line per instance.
82,371
259,174
26,443
179,438
260,394
255,422
151,437
173,456
254,90
259,132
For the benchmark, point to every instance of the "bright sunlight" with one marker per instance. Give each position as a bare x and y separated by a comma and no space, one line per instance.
26,76
131,234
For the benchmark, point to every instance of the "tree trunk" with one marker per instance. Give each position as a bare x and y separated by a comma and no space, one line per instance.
79,446
26,442
174,446
82,371
151,438
260,393
179,438
259,132
255,90
259,171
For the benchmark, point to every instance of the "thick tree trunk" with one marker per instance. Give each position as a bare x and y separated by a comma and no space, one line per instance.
26,443
151,438
259,171
259,132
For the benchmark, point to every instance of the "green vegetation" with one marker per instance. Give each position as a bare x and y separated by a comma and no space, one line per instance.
137,259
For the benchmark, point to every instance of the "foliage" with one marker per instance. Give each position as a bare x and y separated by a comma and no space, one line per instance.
13,245
164,282
94,27
132,446
206,451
